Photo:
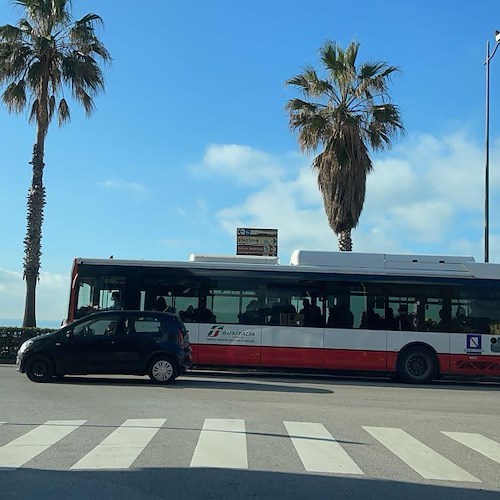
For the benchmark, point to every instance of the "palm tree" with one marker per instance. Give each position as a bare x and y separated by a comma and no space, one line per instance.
353,112
46,52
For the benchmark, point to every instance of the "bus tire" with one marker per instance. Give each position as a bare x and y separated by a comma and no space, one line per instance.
162,370
39,368
417,365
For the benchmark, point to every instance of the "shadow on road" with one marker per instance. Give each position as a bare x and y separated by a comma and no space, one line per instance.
187,381
203,483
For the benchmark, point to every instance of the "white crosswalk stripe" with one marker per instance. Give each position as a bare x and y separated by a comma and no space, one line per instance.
122,447
318,450
422,459
20,451
477,442
222,443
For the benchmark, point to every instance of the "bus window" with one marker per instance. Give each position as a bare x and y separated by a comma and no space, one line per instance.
346,304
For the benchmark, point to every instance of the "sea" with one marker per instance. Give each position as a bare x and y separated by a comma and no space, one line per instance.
40,323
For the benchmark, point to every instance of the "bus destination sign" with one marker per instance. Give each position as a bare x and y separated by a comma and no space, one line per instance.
260,242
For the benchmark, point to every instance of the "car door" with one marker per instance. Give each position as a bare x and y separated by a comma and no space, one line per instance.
137,340
90,347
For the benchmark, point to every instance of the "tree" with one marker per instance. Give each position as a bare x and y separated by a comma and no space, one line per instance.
353,114
45,53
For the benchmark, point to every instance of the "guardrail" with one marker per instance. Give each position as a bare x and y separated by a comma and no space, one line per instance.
11,338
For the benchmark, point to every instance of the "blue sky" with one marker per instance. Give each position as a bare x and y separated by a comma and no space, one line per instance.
191,139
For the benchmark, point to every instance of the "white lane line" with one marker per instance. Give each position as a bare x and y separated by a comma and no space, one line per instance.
318,450
477,442
422,459
222,443
26,447
122,447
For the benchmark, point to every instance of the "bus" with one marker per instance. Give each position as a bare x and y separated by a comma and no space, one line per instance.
415,317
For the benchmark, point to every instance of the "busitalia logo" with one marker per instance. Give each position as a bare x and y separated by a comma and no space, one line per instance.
215,330
220,331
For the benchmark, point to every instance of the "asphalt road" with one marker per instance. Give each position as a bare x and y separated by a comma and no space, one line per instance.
223,435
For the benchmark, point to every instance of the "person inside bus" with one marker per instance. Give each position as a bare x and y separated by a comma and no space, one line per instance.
405,322
204,315
311,314
188,316
160,304
115,299
253,315
282,313
390,321
370,320
460,322
340,316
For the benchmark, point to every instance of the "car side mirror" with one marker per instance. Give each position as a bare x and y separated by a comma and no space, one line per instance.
69,335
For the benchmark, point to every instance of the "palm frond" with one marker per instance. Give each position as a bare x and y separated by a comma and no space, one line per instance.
14,96
63,113
52,106
33,116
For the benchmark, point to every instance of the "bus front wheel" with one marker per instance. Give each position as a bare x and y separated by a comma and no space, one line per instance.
417,365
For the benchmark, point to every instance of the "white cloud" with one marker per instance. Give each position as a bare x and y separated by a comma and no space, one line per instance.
426,196
124,186
52,294
241,164
197,214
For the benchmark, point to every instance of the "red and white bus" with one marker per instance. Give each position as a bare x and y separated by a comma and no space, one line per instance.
415,316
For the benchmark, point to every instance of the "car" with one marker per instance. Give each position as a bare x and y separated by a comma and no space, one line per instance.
110,342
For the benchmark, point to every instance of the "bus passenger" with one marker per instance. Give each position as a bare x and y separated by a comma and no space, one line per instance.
311,314
253,314
115,298
370,320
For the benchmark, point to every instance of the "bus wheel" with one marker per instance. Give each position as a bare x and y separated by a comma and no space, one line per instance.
39,368
162,370
417,365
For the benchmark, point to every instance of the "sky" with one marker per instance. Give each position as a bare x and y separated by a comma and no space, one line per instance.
191,138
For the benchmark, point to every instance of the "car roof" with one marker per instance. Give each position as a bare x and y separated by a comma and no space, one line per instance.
131,311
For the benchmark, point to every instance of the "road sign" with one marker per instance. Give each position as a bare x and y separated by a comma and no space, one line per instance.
254,241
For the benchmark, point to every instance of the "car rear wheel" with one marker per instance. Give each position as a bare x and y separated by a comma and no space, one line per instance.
162,370
39,368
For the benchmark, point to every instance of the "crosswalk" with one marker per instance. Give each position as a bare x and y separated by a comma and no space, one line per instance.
223,443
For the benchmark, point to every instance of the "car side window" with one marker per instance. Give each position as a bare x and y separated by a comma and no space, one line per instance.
143,325
96,328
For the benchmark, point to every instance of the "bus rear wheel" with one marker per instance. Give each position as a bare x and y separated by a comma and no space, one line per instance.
417,365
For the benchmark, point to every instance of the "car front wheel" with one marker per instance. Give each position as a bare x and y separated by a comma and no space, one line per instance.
39,369
162,370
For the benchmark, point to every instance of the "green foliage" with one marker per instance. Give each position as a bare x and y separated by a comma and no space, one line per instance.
342,115
11,338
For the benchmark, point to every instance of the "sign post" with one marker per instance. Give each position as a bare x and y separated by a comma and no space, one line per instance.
260,242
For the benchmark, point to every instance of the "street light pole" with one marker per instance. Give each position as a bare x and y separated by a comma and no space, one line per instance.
487,150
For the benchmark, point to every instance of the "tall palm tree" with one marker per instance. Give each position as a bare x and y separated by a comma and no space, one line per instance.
353,113
45,53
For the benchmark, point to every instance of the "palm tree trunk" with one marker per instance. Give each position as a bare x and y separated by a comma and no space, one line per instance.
345,241
32,241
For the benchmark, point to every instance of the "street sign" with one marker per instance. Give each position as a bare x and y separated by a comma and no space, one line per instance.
254,241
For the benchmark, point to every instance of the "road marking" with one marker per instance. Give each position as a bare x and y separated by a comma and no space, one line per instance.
422,459
122,447
222,443
318,450
16,453
477,442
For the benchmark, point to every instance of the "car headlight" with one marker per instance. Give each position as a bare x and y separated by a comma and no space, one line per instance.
24,346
